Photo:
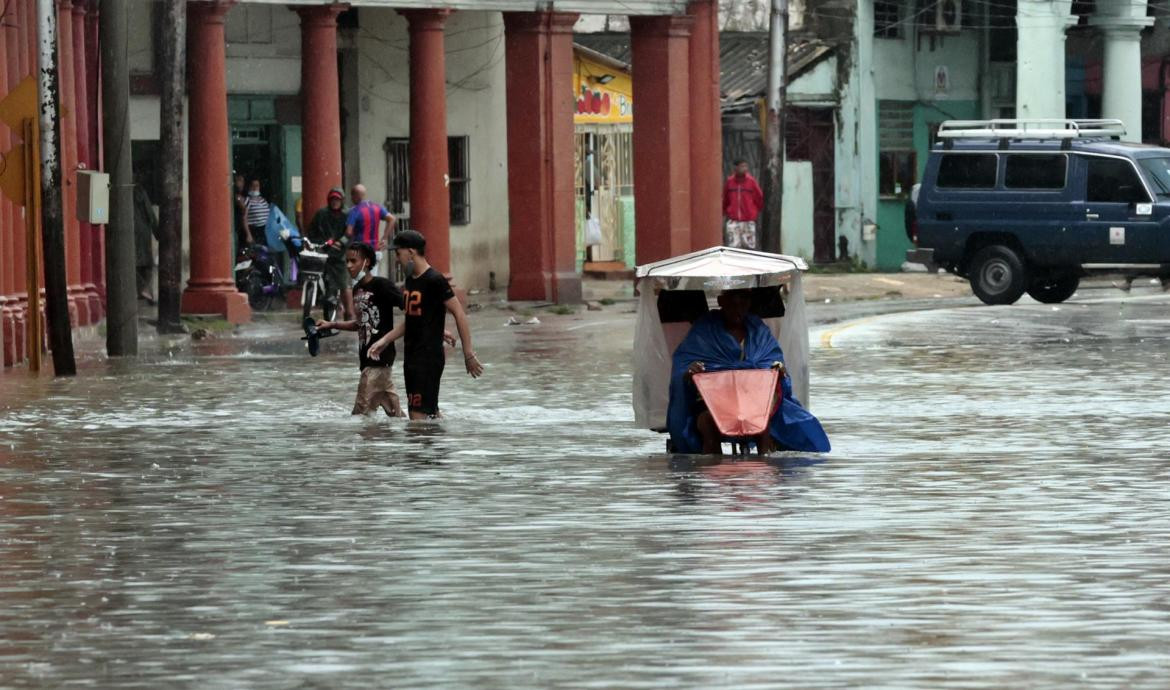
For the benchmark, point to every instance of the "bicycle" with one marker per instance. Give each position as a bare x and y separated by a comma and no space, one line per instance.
311,265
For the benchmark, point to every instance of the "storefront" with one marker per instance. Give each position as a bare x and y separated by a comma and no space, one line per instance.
603,122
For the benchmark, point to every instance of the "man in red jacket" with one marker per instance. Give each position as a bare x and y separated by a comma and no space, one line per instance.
742,201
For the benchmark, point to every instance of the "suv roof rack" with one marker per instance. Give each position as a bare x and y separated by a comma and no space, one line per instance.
1032,128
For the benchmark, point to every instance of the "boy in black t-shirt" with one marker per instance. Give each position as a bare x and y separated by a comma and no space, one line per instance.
374,301
427,299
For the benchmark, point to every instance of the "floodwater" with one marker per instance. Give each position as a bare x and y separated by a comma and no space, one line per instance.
995,513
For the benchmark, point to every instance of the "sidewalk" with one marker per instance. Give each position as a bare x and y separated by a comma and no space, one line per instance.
836,287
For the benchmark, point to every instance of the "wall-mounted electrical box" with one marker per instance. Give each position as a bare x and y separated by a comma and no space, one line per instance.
93,197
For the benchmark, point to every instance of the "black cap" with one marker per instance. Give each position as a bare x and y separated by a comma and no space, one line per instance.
410,239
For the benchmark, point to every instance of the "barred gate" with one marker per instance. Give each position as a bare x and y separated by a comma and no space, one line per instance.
604,174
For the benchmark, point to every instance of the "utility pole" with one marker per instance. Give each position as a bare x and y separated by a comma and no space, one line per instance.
52,211
170,236
121,297
774,128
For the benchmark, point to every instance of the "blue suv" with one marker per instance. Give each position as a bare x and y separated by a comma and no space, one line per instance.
1032,206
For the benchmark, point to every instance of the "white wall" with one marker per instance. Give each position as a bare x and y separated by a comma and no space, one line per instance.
263,50
475,108
904,73
796,230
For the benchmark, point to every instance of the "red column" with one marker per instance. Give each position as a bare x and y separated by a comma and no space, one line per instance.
538,49
662,136
320,104
20,47
706,128
84,159
210,289
67,111
97,160
430,210
8,256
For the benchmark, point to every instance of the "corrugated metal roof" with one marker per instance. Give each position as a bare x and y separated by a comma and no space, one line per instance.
583,6
743,59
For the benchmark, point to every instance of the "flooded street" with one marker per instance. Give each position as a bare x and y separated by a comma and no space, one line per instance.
995,513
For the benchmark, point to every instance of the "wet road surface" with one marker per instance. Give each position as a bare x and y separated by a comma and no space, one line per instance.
995,514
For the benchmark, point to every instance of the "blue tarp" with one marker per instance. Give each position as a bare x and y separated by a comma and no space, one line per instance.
277,221
709,342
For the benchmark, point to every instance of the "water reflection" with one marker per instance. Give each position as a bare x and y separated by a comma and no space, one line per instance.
994,516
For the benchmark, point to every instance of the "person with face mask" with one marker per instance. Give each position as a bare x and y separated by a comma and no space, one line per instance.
255,213
375,299
428,298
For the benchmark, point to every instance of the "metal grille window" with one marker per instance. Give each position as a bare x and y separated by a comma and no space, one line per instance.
886,18
460,180
897,161
398,179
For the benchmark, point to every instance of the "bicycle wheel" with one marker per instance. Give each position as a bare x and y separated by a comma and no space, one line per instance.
308,297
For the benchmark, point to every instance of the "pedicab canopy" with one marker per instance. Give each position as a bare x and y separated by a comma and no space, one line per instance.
674,292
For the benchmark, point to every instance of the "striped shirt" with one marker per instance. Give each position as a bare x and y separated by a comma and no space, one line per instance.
365,218
256,211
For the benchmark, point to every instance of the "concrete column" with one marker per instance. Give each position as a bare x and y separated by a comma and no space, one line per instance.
84,158
93,100
542,232
210,289
706,127
662,136
1040,59
320,104
1121,23
67,104
430,209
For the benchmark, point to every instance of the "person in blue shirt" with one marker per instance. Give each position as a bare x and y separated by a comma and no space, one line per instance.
731,337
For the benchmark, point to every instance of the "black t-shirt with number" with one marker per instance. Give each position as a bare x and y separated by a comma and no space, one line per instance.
425,305
375,301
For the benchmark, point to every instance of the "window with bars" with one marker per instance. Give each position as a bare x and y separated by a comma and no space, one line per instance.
460,180
887,19
398,179
897,160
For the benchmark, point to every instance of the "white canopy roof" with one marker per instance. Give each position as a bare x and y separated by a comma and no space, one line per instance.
704,269
711,270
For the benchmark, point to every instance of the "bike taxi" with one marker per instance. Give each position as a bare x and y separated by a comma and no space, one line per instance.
752,389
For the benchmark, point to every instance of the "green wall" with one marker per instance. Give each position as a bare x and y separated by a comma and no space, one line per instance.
892,242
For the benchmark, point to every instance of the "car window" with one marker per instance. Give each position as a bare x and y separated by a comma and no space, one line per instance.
1114,180
1158,173
967,171
1035,171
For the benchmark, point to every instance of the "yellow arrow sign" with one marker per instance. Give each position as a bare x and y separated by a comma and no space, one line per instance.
19,104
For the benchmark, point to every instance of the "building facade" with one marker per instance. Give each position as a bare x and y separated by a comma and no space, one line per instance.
459,115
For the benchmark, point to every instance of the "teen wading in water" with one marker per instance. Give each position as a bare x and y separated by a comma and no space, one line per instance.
427,298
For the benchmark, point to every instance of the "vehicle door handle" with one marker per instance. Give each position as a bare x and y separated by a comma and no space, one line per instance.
1091,216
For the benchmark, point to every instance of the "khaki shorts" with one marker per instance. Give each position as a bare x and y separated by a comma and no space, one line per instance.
376,389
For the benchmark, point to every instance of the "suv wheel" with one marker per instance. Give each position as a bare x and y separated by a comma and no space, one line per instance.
1055,288
998,275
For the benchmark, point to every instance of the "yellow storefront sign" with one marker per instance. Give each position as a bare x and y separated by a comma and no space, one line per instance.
603,91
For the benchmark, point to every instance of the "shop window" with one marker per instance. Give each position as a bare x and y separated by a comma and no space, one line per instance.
897,161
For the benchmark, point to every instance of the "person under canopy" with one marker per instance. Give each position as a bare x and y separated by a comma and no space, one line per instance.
733,338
